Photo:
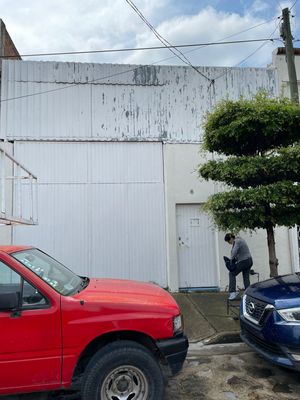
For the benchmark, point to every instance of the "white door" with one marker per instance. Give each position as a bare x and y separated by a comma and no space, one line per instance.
196,244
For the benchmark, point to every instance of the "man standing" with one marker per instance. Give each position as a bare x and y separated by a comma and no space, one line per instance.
242,261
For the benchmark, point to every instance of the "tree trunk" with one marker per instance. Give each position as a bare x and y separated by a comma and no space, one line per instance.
273,261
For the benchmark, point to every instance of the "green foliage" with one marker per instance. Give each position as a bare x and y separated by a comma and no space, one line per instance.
262,171
251,127
246,171
257,207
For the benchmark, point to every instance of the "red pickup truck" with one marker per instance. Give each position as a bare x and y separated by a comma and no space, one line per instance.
108,338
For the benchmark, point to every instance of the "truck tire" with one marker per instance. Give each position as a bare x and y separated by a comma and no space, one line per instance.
123,370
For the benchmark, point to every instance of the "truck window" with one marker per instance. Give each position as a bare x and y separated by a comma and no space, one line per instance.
12,282
56,275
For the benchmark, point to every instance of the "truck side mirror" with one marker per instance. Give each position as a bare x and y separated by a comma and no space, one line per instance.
9,301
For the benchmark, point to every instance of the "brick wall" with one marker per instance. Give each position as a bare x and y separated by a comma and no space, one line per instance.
7,47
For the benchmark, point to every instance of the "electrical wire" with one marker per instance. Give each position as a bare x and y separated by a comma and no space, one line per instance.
164,41
201,45
279,4
235,34
167,44
120,73
294,5
220,40
250,55
70,86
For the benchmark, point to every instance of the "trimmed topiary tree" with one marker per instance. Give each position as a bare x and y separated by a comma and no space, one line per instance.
260,138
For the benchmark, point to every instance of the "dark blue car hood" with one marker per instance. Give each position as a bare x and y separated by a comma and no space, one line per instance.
282,291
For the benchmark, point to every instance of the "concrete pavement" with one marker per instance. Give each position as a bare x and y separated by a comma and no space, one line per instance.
206,317
231,372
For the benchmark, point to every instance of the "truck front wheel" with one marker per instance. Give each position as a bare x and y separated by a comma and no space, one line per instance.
123,370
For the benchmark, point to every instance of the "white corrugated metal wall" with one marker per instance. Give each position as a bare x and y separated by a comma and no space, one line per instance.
107,200
73,101
101,207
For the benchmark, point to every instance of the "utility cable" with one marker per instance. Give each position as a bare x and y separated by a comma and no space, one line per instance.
234,34
279,4
165,42
251,54
294,5
220,40
136,48
201,45
119,73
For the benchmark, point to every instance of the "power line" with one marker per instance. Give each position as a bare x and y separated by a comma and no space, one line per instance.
164,41
69,86
260,47
279,4
120,73
294,5
224,38
251,54
137,48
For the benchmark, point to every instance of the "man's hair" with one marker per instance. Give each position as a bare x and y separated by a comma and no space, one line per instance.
229,236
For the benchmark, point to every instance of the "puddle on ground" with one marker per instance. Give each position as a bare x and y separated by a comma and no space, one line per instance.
281,388
260,372
199,360
225,339
236,380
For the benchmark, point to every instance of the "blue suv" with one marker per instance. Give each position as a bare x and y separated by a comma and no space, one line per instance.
270,319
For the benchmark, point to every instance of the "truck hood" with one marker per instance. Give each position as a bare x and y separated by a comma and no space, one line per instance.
127,292
282,291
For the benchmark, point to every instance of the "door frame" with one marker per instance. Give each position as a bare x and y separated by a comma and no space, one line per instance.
216,255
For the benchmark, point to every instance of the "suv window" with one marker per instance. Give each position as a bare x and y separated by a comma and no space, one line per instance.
11,281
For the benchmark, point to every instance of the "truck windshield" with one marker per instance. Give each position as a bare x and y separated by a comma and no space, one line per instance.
63,280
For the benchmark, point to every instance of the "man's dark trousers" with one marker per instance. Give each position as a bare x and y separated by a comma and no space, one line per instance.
243,266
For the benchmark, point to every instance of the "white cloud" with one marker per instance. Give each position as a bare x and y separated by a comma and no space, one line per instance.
259,6
209,25
73,25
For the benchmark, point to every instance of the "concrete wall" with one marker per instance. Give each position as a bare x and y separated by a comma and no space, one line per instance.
182,186
280,65
279,62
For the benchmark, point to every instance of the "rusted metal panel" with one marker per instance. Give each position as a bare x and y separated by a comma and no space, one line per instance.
106,102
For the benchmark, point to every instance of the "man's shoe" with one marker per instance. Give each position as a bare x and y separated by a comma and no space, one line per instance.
233,295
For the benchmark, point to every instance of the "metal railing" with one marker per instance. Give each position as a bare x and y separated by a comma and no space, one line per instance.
18,191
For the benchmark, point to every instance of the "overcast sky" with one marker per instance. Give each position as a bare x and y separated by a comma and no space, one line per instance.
40,26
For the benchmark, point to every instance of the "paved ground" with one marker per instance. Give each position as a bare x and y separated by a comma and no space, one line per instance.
207,317
223,372
232,374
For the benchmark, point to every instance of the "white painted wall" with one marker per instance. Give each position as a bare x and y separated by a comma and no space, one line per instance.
279,62
182,186
280,65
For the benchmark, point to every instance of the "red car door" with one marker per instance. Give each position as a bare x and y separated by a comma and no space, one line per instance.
30,339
